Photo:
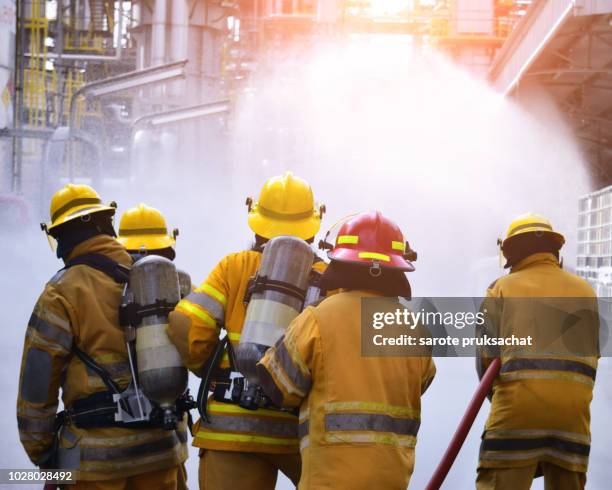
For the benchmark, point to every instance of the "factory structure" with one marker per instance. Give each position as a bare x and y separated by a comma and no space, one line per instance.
97,87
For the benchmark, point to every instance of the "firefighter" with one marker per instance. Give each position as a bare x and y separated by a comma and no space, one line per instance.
539,419
359,416
242,448
143,231
74,342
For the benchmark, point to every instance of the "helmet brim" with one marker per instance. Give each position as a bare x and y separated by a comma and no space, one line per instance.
78,212
269,227
347,255
146,242
535,229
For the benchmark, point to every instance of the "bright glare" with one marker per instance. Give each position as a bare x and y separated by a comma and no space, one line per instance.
379,8
382,8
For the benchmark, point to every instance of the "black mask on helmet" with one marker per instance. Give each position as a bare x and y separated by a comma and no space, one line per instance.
76,231
522,246
352,276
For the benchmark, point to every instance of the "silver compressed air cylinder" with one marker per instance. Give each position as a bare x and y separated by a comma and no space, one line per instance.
161,374
288,260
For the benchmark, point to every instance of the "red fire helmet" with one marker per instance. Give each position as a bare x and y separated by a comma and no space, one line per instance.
371,239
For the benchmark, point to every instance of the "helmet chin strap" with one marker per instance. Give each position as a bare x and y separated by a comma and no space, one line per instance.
375,270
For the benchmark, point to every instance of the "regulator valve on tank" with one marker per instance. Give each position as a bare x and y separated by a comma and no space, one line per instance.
159,379
275,297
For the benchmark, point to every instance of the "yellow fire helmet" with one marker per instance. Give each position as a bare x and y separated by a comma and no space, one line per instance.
530,223
74,201
286,206
144,228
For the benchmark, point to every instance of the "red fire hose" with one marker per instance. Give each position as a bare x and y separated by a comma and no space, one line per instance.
464,426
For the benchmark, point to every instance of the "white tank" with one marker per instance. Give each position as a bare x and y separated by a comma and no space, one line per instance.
286,261
161,374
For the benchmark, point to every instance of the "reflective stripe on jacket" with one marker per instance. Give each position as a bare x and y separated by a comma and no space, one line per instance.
540,404
217,302
80,305
357,413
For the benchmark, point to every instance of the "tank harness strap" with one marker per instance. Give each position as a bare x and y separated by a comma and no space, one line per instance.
210,369
119,273
96,368
133,313
259,284
98,411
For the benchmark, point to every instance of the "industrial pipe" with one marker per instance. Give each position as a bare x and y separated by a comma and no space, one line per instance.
464,426
126,81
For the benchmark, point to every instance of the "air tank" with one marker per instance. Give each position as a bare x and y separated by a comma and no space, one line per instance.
184,280
283,272
161,374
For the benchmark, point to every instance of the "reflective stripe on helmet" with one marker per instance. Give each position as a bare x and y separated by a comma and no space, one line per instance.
544,226
74,203
348,239
374,255
401,246
143,231
284,216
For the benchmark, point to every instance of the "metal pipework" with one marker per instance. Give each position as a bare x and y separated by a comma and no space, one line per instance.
125,81
181,114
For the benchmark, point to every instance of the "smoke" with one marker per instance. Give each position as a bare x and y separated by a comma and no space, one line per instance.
370,126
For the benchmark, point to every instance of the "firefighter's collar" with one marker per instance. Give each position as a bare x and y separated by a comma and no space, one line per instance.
539,258
105,245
